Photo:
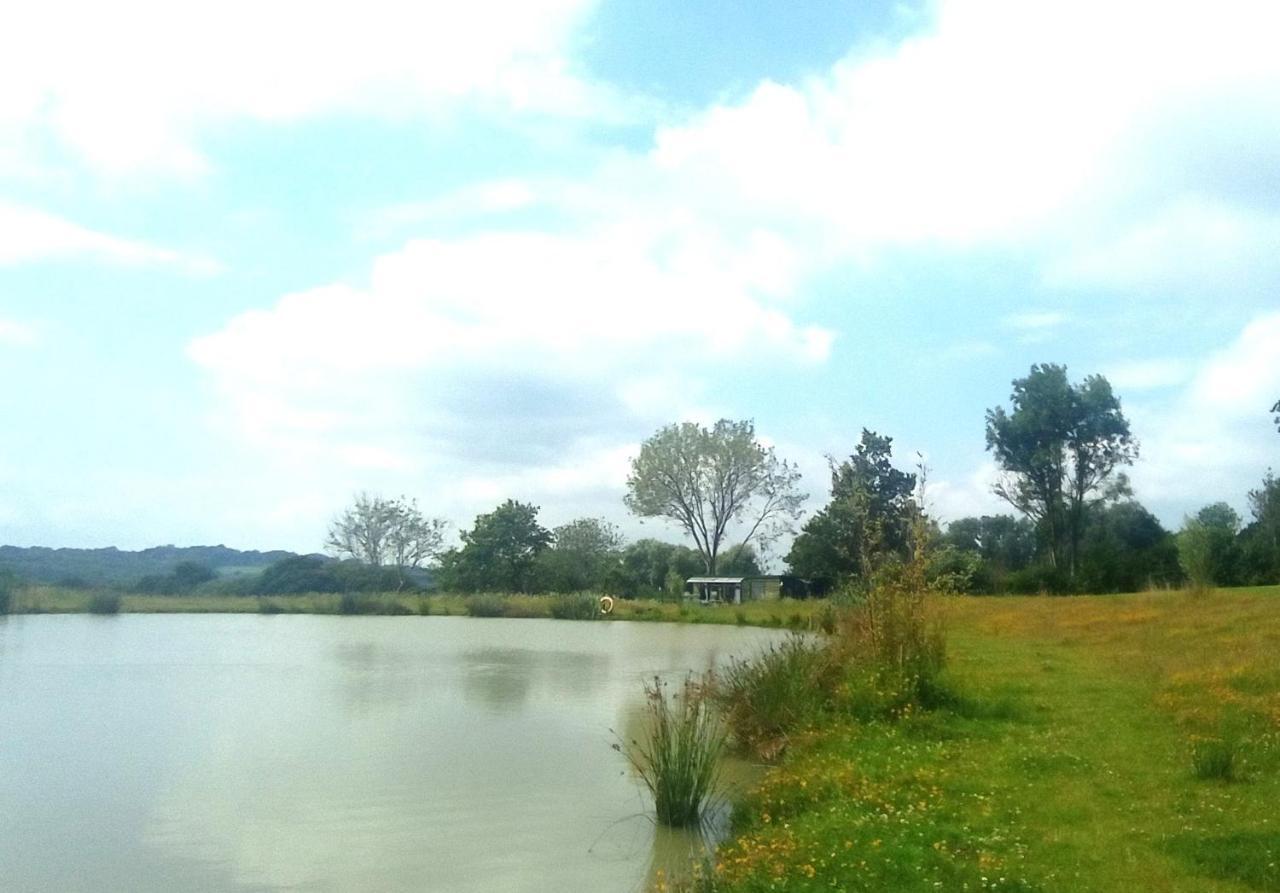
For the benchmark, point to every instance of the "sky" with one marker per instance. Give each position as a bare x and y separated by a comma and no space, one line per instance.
256,258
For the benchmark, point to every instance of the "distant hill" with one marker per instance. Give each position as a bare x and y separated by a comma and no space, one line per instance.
115,567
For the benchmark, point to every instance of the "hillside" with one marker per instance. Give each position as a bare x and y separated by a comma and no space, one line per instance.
116,567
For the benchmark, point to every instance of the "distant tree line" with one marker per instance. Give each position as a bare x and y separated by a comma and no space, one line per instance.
1061,448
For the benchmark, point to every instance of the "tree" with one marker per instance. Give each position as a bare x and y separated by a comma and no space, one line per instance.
298,574
1207,547
1059,449
583,555
392,532
1003,544
868,518
709,481
187,575
648,565
1276,410
1126,548
499,552
740,561
1261,539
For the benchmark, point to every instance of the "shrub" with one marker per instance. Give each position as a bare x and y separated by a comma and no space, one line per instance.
485,606
269,606
104,603
580,606
679,760
891,631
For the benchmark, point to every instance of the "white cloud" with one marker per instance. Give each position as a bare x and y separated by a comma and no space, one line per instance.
967,496
28,235
1035,126
1145,375
131,85
17,333
1191,243
1215,440
506,358
1035,321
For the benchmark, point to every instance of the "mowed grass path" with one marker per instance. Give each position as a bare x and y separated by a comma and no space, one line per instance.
1064,765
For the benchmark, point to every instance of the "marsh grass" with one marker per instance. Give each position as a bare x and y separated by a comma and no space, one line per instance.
575,606
768,697
678,756
370,603
485,606
104,603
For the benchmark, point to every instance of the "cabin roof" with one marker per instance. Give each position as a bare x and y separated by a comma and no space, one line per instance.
715,579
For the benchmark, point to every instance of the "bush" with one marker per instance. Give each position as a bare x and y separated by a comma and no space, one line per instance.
575,607
485,606
104,603
679,760
269,606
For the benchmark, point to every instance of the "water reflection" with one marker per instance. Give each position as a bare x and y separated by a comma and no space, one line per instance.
245,753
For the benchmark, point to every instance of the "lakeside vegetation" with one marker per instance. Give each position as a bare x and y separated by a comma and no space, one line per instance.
1072,744
1085,743
789,613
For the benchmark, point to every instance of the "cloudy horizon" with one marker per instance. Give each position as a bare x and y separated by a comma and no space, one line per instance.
254,260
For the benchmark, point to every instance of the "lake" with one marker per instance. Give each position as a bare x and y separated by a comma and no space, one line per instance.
245,753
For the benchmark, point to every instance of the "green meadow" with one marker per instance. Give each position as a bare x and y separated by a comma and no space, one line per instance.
1091,743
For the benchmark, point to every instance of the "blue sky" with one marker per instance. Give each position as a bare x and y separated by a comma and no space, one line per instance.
254,260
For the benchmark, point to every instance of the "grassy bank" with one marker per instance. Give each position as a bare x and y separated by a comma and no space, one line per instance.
1068,757
785,613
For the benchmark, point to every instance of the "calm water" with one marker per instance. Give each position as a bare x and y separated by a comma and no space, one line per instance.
225,752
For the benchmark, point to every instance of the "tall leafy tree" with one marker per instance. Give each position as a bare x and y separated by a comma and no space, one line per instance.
1125,549
648,564
1264,533
584,555
1207,547
499,552
719,484
869,516
1060,448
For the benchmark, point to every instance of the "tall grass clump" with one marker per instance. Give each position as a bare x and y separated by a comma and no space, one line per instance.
575,606
6,593
778,691
679,757
485,606
1214,759
104,603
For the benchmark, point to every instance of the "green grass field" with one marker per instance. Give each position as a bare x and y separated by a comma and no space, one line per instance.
1067,761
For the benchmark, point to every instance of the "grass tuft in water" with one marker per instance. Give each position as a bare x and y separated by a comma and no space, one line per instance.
679,758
